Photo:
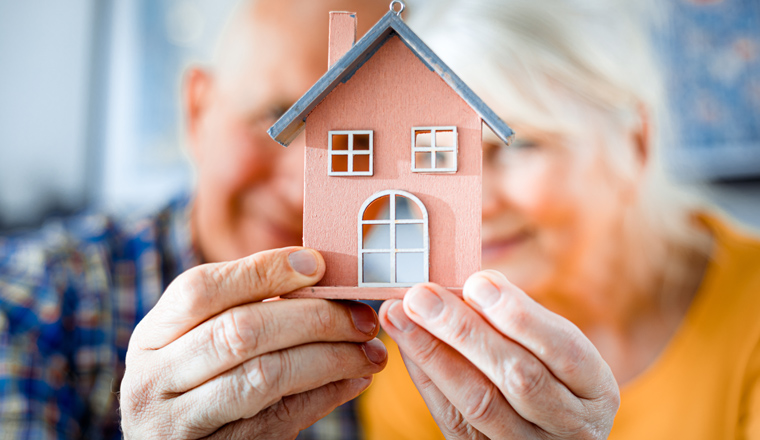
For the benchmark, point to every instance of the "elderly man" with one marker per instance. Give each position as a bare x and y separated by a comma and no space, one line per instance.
210,357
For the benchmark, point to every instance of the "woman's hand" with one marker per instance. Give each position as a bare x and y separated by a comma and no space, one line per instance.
499,365
212,358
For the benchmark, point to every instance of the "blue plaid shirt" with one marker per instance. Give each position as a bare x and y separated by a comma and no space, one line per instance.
70,296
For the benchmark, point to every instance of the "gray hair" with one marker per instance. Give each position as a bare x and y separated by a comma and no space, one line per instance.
525,58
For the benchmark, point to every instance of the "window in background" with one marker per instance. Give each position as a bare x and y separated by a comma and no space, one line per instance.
711,50
144,163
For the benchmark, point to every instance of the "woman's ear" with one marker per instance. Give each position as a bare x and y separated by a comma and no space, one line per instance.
642,136
638,153
197,87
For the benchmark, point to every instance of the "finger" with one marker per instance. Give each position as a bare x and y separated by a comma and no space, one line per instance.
294,413
262,381
450,420
462,400
207,290
250,330
557,342
526,383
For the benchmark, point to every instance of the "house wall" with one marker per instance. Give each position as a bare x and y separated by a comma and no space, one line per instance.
389,94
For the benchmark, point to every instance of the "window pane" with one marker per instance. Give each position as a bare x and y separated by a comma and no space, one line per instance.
340,163
376,236
423,160
409,236
361,142
444,138
340,142
410,267
444,159
422,138
361,163
379,209
377,268
407,209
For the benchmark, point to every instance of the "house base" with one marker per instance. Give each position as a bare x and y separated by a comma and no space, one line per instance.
359,293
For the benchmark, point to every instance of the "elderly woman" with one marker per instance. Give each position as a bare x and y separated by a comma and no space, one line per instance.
637,297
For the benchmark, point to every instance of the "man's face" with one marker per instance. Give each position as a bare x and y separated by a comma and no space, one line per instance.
250,189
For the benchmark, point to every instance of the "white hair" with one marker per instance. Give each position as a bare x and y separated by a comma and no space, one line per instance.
525,58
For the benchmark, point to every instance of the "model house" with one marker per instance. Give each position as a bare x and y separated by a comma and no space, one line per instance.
392,163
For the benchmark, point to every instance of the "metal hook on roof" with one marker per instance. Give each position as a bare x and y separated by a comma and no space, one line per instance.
401,4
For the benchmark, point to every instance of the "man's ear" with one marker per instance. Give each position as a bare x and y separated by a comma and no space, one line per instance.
197,87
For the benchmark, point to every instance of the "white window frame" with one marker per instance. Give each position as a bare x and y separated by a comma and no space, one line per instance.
433,148
393,222
350,153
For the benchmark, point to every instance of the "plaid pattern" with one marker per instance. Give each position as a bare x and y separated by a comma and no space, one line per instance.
70,297
338,425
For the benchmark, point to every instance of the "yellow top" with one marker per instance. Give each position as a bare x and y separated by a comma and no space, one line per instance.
705,384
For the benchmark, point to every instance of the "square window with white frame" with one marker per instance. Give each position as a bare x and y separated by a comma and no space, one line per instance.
434,149
350,153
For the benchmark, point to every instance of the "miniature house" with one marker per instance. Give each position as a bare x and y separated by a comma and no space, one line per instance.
392,163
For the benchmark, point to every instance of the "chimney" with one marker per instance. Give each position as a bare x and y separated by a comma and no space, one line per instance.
342,35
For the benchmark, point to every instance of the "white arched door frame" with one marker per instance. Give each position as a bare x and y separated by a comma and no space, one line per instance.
393,250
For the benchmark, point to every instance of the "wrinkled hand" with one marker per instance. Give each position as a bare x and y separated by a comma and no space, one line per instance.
212,358
499,365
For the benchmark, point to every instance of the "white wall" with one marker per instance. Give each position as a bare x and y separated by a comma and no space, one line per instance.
45,48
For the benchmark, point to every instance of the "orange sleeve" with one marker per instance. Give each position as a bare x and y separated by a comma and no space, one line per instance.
392,408
749,417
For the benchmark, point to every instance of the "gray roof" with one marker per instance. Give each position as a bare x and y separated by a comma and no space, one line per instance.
290,125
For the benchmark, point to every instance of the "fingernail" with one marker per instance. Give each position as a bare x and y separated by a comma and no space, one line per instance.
363,382
375,351
398,318
424,303
364,317
303,262
482,292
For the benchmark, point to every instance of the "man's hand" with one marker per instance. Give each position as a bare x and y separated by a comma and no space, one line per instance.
499,365
212,355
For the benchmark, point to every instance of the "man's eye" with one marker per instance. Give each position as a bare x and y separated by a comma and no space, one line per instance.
276,112
267,117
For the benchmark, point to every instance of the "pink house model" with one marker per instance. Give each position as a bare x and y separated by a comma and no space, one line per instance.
392,164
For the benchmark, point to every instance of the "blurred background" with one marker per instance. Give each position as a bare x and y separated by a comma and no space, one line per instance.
89,94
89,102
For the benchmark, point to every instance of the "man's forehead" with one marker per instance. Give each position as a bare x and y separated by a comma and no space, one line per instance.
308,8
283,42
312,15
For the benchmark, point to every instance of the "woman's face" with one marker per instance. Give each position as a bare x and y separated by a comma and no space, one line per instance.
552,209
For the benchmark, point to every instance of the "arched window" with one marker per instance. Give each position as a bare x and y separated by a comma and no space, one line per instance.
394,248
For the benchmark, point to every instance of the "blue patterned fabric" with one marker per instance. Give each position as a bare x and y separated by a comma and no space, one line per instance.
70,296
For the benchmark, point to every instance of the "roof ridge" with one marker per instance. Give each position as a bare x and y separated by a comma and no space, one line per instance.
290,125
